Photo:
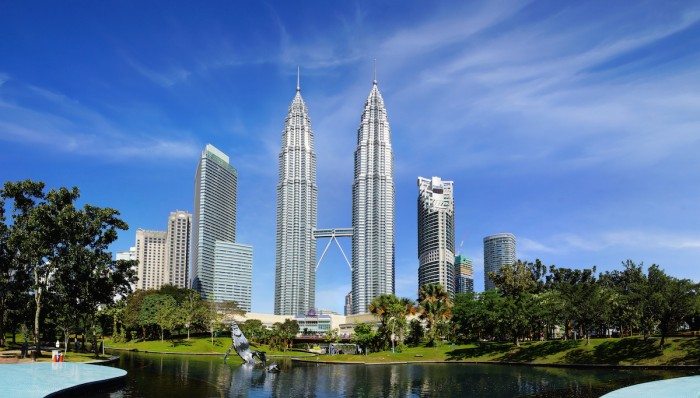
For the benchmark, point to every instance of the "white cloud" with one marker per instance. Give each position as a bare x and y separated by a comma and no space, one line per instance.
66,125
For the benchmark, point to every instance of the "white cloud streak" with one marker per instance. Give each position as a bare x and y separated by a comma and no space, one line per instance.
66,125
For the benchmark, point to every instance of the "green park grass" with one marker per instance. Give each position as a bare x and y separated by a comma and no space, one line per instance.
627,351
195,345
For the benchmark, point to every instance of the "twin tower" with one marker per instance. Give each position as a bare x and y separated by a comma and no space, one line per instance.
373,211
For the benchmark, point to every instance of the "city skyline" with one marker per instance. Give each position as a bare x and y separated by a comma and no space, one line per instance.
573,126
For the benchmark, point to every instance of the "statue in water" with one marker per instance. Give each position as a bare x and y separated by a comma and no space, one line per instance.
240,344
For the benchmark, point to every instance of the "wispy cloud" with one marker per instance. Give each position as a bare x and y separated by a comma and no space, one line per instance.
623,239
31,115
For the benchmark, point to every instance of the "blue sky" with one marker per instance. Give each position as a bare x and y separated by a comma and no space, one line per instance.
574,126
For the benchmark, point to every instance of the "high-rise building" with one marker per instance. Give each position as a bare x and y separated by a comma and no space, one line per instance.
178,248
464,275
214,217
127,255
436,233
150,252
295,254
233,270
499,250
347,310
372,206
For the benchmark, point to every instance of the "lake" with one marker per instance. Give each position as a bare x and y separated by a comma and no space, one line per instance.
151,375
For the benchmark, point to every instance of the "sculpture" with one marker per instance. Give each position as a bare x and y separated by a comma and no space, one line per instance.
240,344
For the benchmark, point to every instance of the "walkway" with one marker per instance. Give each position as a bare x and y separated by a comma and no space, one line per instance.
39,379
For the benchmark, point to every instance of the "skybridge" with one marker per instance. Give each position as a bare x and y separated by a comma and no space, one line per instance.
333,234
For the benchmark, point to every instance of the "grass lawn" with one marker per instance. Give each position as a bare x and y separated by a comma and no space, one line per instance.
198,345
627,351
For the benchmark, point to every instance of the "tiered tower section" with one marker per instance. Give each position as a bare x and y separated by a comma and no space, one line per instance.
297,193
373,206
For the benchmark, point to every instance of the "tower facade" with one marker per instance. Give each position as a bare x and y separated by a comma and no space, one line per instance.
214,217
178,248
150,252
499,250
233,267
373,206
297,192
464,275
436,233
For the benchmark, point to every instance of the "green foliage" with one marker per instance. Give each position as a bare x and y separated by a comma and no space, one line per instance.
282,334
255,331
392,312
54,250
415,333
435,306
364,336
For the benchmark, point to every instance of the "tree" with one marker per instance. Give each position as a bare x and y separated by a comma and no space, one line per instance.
193,310
582,296
435,305
628,290
415,333
50,238
254,330
150,313
331,336
364,336
517,282
674,300
391,312
167,315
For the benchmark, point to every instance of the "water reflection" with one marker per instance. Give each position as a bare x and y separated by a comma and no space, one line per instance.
191,376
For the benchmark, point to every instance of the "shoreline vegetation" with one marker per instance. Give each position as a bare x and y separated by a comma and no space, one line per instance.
195,346
616,352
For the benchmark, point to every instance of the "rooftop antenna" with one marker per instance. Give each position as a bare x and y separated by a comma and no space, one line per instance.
375,72
298,87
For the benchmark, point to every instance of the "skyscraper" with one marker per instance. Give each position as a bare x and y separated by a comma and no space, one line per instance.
150,252
178,248
347,309
499,250
464,275
372,206
214,217
295,254
233,270
436,233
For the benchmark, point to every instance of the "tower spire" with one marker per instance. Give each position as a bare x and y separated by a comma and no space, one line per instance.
374,81
298,87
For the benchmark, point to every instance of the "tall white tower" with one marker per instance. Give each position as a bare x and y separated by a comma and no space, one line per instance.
436,233
373,206
177,248
214,217
295,256
499,250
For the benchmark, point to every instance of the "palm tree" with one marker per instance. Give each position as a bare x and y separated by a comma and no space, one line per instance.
435,306
386,307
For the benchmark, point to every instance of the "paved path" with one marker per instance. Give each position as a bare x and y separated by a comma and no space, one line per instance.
681,387
30,380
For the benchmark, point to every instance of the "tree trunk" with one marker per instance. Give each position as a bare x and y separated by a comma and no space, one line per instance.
65,340
188,333
37,313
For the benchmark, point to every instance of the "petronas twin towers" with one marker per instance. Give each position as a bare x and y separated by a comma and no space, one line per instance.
372,210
